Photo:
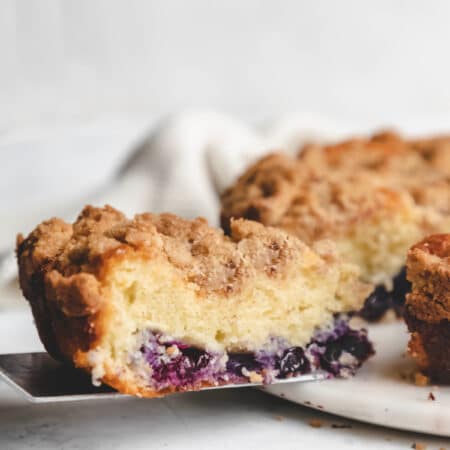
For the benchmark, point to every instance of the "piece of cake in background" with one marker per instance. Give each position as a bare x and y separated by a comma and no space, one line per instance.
374,197
422,167
427,308
159,304
372,226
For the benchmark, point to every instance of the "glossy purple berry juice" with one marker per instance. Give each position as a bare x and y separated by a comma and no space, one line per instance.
338,351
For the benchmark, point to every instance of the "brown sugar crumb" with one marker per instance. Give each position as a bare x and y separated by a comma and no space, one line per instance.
419,446
421,380
314,194
253,376
431,396
279,418
315,423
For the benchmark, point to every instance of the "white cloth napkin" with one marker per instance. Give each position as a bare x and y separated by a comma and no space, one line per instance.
189,159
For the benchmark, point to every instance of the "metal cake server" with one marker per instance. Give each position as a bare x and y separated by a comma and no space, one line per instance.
41,379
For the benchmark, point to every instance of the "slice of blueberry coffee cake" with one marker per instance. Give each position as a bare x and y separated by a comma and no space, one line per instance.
159,304
374,197
427,308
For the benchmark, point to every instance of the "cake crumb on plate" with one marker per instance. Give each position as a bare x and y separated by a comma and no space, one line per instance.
315,423
420,379
419,446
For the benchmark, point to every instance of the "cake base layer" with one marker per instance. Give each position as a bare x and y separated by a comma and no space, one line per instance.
382,299
164,363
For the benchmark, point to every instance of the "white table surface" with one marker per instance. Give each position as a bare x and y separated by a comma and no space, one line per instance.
225,419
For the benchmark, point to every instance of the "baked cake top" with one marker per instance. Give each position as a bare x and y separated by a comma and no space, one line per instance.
420,166
327,189
77,255
383,151
282,191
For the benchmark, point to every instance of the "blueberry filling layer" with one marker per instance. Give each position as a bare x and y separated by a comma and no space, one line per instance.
381,299
338,351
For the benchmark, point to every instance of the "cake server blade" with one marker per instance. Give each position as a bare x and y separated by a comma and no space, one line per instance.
41,379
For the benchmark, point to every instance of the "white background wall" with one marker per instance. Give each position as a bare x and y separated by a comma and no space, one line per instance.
373,60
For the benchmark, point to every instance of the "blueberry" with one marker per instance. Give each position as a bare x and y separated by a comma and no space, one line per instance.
293,361
356,345
197,358
238,361
401,287
376,304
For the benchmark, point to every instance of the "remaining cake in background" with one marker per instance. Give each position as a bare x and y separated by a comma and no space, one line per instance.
427,308
159,304
374,197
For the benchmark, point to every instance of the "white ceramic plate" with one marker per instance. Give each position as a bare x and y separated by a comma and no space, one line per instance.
382,392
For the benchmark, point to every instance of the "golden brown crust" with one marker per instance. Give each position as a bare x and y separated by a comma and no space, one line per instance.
264,192
427,309
70,259
429,271
58,270
329,188
284,192
419,166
